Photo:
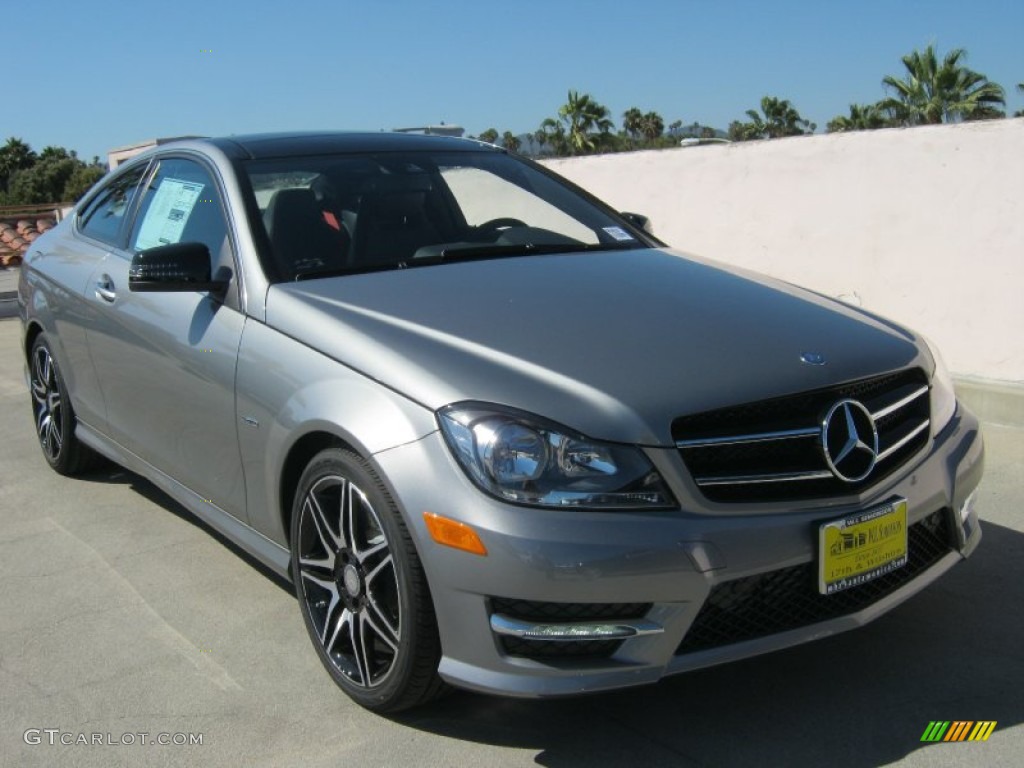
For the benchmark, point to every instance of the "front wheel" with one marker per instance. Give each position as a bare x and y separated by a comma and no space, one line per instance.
361,588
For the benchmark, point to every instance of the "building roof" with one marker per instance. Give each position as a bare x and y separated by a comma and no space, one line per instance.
17,234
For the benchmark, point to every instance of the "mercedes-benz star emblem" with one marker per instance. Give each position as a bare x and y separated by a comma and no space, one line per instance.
849,441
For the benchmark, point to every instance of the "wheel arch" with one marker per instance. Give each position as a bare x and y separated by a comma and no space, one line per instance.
32,332
296,460
298,457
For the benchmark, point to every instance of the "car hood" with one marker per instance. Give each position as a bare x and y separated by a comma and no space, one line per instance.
613,344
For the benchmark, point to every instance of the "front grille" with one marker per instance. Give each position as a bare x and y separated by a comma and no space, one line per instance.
771,450
544,612
757,606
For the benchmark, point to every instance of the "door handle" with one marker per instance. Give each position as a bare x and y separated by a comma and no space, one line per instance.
105,289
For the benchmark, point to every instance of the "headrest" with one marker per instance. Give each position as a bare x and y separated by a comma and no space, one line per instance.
390,183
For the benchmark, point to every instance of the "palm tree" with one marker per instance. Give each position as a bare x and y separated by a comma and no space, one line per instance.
509,141
780,119
582,117
862,117
490,135
739,131
53,153
554,134
1019,112
631,120
652,126
949,92
541,137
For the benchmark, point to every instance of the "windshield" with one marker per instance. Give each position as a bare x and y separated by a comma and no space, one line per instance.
337,214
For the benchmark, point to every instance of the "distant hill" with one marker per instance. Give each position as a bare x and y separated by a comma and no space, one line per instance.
696,130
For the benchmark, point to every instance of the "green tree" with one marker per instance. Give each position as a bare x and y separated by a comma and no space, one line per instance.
778,118
81,180
510,141
553,133
490,135
739,131
1019,112
541,137
44,182
587,124
781,119
631,121
862,117
15,156
932,92
54,153
554,136
652,126
54,175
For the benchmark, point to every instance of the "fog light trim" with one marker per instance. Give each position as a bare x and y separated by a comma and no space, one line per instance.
574,631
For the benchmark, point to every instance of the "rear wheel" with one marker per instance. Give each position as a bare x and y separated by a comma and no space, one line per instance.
54,417
361,588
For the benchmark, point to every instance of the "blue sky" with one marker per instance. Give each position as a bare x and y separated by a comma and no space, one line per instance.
91,76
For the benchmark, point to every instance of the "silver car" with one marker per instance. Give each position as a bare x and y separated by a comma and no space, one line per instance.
496,433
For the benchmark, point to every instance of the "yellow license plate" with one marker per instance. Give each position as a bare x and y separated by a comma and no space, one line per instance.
862,547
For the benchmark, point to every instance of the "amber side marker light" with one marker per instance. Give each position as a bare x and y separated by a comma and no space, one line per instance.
452,533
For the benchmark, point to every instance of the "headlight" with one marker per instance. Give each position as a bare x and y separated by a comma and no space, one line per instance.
943,396
525,459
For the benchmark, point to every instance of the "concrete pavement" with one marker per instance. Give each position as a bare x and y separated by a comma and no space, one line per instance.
8,280
9,291
120,614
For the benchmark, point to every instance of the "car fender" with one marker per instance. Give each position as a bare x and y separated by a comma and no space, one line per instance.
292,400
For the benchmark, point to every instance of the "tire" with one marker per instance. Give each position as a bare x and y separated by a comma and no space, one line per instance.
361,588
53,414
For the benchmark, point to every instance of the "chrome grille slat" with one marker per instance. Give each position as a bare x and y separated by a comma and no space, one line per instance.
886,453
782,477
772,450
762,437
880,414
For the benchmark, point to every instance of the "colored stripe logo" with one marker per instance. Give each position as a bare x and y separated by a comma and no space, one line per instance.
958,730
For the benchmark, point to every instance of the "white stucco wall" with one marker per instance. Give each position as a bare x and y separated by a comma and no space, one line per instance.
923,225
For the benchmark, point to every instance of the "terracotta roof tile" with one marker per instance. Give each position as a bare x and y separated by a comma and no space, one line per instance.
16,234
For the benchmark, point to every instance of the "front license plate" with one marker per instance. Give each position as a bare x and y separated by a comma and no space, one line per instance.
862,547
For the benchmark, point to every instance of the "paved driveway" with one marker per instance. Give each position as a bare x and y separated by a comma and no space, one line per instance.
121,615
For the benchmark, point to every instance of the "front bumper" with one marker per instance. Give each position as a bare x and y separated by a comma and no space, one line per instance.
655,570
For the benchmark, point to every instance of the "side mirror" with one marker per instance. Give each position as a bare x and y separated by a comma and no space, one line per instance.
639,221
177,267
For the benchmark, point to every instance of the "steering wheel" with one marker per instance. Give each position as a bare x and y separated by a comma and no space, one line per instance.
501,223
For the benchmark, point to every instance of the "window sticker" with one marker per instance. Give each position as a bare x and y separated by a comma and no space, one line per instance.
168,213
619,233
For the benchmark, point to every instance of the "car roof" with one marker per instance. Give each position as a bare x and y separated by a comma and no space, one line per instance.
270,145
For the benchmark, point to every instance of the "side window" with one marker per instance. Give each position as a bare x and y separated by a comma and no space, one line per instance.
180,205
104,217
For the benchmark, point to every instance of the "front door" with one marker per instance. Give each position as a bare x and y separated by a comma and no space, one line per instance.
166,361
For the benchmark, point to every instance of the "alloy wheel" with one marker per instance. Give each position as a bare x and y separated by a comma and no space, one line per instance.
348,580
46,396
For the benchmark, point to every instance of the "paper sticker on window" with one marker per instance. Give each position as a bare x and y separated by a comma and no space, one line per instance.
168,213
619,233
